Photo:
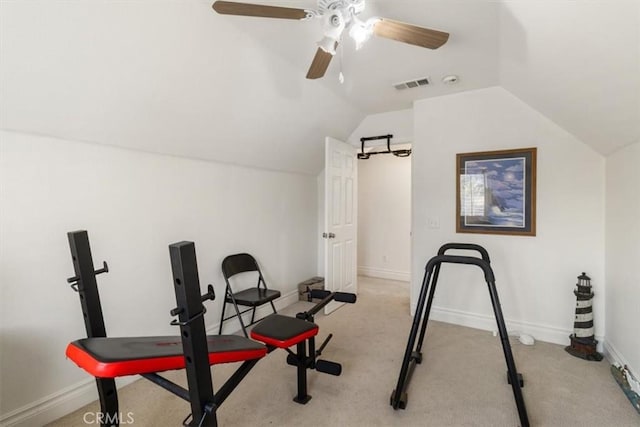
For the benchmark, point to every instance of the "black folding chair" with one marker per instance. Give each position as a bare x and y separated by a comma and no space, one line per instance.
252,297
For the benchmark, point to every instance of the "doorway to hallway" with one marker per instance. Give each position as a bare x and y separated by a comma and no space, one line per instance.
384,217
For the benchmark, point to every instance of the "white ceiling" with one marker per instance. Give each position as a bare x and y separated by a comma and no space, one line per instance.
174,77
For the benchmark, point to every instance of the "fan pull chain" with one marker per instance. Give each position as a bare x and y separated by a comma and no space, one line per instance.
341,75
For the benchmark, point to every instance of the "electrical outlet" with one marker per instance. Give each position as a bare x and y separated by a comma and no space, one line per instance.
433,222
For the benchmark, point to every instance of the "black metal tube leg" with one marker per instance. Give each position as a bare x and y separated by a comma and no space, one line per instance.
508,356
108,402
427,311
396,395
244,328
224,306
233,381
302,396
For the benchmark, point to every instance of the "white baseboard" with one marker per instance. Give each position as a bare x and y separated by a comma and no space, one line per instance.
382,273
613,355
73,397
58,404
52,407
544,333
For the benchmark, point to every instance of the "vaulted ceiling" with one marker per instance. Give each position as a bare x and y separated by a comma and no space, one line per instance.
174,77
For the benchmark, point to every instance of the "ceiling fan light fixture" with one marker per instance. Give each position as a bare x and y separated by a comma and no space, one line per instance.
332,27
360,31
328,44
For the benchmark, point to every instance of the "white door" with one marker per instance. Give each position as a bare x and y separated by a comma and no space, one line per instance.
340,219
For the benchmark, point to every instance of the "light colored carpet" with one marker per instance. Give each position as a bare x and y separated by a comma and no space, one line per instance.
461,382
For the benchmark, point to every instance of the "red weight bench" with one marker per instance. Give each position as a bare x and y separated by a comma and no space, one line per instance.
106,358
118,357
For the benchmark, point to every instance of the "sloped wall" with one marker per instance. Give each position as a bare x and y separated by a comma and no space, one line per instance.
535,275
397,123
134,205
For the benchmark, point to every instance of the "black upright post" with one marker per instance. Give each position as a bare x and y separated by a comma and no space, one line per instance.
194,336
87,287
302,396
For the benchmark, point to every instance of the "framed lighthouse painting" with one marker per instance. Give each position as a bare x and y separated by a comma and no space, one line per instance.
496,192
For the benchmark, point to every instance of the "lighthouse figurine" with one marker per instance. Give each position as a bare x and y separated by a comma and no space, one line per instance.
583,342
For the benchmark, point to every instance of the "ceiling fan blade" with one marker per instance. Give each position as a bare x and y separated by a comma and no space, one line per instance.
411,34
248,9
319,65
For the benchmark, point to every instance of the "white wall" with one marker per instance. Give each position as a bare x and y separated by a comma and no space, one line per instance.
398,123
384,217
623,256
134,205
535,275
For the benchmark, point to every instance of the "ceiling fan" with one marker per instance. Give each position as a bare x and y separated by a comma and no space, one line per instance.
337,17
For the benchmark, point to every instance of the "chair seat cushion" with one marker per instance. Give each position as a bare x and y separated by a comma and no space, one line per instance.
115,357
283,331
254,296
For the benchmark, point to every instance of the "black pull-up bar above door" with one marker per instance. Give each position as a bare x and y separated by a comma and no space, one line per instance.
398,153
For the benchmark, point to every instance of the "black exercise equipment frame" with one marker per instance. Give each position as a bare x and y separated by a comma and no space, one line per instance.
190,311
306,355
413,352
85,284
398,153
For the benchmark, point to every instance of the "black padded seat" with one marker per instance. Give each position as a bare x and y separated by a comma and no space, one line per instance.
254,297
116,357
283,331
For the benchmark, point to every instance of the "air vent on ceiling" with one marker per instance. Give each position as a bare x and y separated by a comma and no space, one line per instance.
409,84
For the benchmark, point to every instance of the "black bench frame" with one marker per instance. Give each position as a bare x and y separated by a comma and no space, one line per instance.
190,311
204,402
